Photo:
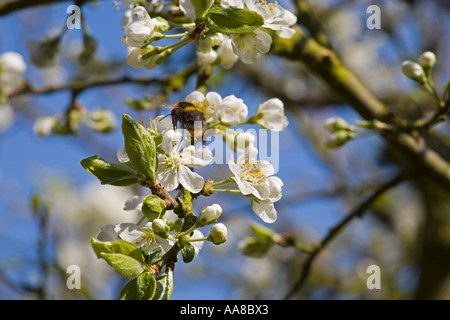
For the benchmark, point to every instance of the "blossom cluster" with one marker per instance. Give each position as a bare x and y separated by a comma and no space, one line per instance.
177,158
218,43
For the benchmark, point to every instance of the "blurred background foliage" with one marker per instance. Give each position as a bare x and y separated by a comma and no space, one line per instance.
50,207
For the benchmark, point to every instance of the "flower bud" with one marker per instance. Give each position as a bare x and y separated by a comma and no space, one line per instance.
335,124
427,60
160,228
218,233
102,121
161,24
209,215
12,63
339,138
413,71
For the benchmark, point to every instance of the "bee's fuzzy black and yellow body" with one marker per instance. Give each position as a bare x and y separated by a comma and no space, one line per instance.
188,115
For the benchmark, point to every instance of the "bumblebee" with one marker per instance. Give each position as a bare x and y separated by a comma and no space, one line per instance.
191,118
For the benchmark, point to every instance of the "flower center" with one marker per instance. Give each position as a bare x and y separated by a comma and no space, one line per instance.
174,161
146,240
268,6
252,172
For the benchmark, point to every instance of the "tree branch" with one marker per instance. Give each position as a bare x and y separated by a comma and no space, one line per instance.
325,64
307,17
358,211
172,81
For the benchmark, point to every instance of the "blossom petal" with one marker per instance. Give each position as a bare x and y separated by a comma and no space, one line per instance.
195,97
129,232
168,179
134,203
265,210
171,140
108,233
275,185
192,181
202,157
198,245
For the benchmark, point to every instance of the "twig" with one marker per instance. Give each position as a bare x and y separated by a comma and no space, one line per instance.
309,20
358,211
324,63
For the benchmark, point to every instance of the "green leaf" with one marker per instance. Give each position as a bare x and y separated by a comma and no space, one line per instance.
188,252
164,287
140,147
122,247
116,174
140,288
255,247
150,255
232,20
152,207
123,264
201,6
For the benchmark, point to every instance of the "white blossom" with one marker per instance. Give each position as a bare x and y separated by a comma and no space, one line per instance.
255,178
43,126
188,8
12,63
139,31
270,115
233,111
265,209
275,16
249,46
226,54
139,236
134,57
209,103
173,166
205,59
251,175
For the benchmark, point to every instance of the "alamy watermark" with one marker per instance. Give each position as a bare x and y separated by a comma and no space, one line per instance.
74,277
74,20
374,20
374,280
